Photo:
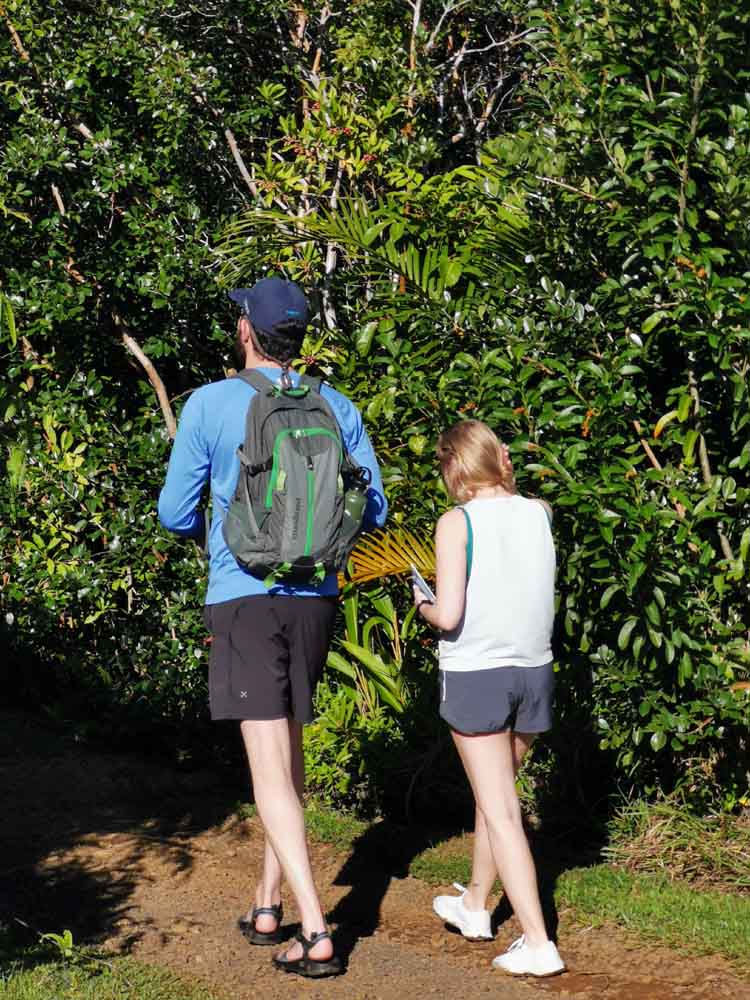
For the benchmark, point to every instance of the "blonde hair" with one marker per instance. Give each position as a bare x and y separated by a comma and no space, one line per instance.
471,456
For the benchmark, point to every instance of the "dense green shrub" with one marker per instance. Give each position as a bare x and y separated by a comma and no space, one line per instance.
548,233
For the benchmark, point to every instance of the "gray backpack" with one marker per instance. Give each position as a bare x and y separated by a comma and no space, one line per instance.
300,498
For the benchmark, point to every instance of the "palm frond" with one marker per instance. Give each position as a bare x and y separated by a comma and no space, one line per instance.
381,246
389,553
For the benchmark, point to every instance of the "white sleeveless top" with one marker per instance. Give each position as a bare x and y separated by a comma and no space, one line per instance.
509,610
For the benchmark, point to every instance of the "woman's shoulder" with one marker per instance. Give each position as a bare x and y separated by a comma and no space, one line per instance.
452,523
546,507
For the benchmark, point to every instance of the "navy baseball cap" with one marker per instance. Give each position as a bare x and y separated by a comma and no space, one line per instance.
272,301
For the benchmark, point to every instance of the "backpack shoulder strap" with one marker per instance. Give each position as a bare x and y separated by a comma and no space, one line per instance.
311,381
257,380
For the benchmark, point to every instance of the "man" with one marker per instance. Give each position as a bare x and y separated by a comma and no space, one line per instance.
269,646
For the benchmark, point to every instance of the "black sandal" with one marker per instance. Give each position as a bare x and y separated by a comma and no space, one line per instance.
312,967
251,932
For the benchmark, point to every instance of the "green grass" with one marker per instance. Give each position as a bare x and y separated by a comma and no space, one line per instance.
65,971
433,867
329,827
118,979
710,852
245,810
658,909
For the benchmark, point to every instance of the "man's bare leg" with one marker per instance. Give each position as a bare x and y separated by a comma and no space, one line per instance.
269,750
489,763
483,868
268,889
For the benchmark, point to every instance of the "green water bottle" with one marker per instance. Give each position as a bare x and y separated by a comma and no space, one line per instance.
355,500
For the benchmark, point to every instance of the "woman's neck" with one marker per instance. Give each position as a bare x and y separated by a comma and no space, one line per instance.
489,493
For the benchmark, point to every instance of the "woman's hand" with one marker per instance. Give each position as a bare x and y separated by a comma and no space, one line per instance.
424,605
419,597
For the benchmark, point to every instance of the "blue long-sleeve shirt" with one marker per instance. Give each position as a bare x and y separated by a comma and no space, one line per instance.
211,429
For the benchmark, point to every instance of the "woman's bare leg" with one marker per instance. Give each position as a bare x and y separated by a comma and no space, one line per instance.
483,868
489,764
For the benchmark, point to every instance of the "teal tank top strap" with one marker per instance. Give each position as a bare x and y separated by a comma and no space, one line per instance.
469,542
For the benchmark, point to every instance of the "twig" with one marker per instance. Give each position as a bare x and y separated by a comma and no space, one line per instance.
568,187
448,9
153,376
58,199
657,465
647,447
240,162
416,6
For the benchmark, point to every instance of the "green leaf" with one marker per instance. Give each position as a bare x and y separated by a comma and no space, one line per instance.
417,443
652,612
363,340
624,637
609,594
685,668
683,408
662,422
688,445
452,273
7,319
653,320
658,740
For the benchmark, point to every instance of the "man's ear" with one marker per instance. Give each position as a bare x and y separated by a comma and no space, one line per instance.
243,329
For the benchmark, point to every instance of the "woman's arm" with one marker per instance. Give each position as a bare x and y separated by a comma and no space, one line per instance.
450,557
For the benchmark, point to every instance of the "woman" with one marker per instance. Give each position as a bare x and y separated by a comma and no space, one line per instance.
494,607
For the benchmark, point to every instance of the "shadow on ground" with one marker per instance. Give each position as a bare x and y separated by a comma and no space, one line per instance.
385,851
60,795
57,795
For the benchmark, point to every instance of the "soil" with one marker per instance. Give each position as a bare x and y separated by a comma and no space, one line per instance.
147,860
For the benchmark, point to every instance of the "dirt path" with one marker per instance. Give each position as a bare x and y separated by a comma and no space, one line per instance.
129,853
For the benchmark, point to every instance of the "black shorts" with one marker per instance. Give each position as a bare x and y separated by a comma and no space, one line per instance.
498,699
267,655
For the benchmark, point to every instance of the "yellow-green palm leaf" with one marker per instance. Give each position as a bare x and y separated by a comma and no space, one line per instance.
390,553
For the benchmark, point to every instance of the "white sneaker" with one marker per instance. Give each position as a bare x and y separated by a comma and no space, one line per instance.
521,960
473,924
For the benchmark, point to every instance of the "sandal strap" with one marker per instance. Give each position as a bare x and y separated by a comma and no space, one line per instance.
309,943
271,911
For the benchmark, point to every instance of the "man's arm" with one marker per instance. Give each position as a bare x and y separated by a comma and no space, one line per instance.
187,473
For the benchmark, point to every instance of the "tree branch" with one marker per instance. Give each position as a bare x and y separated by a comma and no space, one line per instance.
416,6
153,376
656,464
240,162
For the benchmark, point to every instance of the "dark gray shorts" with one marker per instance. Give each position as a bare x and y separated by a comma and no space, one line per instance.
518,699
267,655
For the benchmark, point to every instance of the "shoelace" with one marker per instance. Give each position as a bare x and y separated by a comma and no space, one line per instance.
461,888
517,944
